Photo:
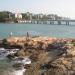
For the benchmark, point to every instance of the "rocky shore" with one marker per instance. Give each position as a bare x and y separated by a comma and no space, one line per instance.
49,56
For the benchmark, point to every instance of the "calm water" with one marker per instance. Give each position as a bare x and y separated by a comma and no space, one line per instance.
37,29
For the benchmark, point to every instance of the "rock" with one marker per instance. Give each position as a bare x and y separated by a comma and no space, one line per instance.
27,66
17,66
55,56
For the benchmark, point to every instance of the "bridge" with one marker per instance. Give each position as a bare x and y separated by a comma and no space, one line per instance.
51,22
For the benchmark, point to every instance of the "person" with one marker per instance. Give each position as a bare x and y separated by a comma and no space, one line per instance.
27,38
27,34
11,34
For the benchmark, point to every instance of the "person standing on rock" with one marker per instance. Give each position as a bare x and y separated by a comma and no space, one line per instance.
27,37
27,34
11,34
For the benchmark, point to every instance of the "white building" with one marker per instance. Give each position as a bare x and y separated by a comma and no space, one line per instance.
41,15
18,15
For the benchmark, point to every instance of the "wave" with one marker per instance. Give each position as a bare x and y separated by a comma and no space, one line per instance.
19,72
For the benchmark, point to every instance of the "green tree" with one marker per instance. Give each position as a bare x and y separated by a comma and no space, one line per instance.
24,16
6,16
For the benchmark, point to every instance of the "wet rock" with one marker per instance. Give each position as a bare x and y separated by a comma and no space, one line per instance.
27,66
17,66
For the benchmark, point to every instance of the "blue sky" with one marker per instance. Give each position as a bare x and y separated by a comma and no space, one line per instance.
61,7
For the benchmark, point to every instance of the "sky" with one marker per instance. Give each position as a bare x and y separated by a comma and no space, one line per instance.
65,8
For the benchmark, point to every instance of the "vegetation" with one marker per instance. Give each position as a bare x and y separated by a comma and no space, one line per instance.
6,16
24,16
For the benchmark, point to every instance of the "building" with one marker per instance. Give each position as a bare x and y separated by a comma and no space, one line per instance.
40,16
29,15
18,16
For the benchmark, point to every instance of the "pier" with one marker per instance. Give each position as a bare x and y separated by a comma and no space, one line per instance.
51,22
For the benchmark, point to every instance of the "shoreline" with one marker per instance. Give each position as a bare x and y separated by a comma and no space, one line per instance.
21,39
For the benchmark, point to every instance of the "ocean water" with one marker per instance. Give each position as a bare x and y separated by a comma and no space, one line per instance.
59,31
5,67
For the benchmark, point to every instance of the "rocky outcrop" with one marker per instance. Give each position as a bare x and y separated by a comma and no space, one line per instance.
58,60
36,43
49,56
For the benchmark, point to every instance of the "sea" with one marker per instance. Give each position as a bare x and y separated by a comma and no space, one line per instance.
59,31
20,29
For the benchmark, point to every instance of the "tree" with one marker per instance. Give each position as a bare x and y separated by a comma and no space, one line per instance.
24,16
6,16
